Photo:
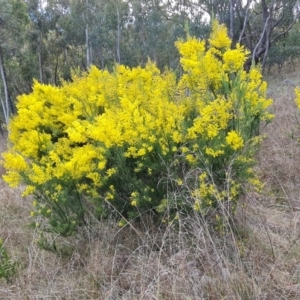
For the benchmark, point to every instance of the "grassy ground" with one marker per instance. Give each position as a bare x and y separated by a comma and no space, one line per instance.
261,260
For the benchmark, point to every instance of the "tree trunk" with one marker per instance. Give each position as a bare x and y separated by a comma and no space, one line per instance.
7,105
88,57
231,13
118,34
41,61
87,36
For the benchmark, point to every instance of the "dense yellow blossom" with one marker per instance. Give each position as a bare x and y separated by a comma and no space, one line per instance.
213,153
234,140
14,161
29,191
234,59
219,37
297,100
213,117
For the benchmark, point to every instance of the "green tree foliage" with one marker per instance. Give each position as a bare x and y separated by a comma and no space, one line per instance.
286,50
13,22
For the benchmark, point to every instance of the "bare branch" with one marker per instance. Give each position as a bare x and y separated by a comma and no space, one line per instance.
284,32
245,20
261,39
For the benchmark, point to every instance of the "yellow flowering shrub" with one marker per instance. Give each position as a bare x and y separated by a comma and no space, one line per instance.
125,140
297,99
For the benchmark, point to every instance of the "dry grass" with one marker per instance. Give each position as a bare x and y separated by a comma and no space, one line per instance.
260,260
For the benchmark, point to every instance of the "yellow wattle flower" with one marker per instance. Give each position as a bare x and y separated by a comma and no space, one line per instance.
234,140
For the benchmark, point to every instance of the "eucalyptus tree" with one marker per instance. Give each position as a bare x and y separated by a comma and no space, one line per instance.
109,39
286,50
155,27
276,19
45,36
13,22
257,24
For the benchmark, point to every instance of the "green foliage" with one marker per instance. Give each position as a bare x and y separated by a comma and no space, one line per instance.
7,266
286,50
55,244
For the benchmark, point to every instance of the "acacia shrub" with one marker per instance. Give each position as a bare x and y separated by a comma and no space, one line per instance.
137,140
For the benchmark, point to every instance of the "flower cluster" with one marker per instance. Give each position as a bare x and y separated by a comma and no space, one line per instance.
125,140
297,100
